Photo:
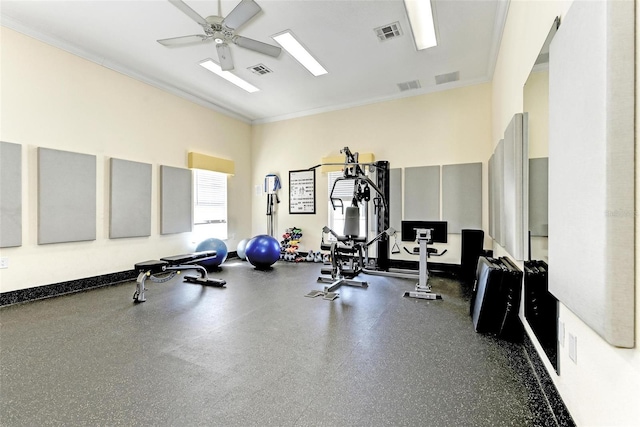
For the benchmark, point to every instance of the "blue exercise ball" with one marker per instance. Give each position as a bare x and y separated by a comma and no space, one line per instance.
213,244
241,249
262,251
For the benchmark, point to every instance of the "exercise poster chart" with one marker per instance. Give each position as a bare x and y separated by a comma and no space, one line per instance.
302,192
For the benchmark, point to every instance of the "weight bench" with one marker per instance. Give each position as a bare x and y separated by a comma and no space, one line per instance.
164,269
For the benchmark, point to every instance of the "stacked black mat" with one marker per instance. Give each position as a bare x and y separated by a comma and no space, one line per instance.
541,307
496,298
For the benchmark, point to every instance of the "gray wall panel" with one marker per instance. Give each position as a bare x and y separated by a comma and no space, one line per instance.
539,196
422,193
66,196
516,197
490,177
130,199
176,200
10,195
462,196
591,168
498,194
395,198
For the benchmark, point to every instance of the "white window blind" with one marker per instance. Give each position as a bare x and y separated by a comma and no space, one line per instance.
211,200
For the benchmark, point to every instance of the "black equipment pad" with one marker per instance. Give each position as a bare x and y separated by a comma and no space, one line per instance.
207,282
189,258
154,266
496,298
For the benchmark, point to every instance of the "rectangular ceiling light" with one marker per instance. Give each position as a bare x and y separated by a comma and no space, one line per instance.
215,68
295,49
421,20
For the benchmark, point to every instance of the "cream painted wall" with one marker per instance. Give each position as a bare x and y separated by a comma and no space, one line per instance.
602,387
536,103
436,129
50,98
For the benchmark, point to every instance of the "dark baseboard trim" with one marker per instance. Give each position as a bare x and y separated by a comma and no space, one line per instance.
550,396
62,288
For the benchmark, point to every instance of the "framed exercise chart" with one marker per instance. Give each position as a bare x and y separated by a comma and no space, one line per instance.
302,192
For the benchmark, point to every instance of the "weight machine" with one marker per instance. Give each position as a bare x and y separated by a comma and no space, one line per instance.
349,252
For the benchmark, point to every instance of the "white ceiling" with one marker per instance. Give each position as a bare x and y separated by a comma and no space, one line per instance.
340,33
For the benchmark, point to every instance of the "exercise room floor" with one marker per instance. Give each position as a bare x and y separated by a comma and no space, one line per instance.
259,353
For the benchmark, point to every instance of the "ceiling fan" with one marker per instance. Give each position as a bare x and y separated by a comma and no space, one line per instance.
222,31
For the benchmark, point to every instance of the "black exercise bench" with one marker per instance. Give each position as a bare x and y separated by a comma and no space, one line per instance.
164,269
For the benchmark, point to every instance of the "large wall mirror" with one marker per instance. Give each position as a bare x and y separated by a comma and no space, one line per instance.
540,306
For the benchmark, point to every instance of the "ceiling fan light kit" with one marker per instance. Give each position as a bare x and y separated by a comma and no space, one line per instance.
223,32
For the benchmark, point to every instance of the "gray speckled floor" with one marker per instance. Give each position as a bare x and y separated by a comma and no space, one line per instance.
259,353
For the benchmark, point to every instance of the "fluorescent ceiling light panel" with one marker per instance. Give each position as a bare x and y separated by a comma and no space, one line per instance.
421,20
215,68
295,49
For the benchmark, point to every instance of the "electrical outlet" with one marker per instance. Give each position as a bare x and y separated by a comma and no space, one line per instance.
561,333
4,262
573,348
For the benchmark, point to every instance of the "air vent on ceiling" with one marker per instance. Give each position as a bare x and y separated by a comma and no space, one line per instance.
260,69
446,78
387,32
414,84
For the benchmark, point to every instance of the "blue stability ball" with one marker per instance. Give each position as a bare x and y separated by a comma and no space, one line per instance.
213,245
262,251
241,250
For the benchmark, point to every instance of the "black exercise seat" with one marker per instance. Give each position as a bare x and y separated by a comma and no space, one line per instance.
152,266
189,258
205,254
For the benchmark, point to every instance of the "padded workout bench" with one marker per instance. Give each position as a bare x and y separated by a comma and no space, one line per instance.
164,269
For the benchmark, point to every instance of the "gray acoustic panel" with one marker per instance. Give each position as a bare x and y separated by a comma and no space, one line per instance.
516,199
498,193
539,197
66,196
10,195
176,200
591,168
422,193
130,199
490,177
462,196
395,198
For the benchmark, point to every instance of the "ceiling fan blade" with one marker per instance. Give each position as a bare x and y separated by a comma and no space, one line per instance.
243,12
184,40
224,56
190,12
257,46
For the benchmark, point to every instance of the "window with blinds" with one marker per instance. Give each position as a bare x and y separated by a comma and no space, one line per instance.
210,201
343,191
